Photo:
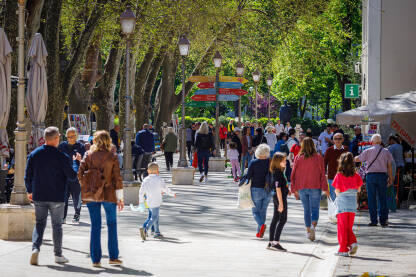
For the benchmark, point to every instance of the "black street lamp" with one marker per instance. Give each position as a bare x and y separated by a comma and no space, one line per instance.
217,64
256,79
269,84
184,46
240,71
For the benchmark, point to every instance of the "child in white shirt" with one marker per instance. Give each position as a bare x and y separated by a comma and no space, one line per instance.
153,187
232,153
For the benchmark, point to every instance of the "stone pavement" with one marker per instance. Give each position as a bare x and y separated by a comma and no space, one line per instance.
206,235
383,252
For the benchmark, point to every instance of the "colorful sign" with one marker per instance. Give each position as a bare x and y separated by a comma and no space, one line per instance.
223,91
196,79
352,90
220,84
201,104
211,97
80,122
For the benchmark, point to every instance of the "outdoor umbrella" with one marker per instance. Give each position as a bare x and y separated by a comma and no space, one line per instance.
397,111
5,91
37,90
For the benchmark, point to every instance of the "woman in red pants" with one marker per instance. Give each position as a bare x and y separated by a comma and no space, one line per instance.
346,183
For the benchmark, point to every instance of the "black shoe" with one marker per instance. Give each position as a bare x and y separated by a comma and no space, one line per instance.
269,245
384,225
277,247
372,224
75,219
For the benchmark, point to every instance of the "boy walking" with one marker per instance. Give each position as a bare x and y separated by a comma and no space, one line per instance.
153,187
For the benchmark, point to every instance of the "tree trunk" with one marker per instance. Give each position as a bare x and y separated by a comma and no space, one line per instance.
141,78
103,96
303,108
166,106
327,105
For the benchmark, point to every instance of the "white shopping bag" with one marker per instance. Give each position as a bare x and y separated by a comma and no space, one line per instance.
244,197
332,211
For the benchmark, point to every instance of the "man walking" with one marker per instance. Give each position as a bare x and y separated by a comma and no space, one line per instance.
331,157
379,176
324,140
279,127
145,140
47,172
71,147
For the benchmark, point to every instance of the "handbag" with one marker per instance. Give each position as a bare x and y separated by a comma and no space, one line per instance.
244,197
93,183
364,169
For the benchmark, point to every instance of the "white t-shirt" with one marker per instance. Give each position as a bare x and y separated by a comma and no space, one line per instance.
323,144
279,128
271,140
153,186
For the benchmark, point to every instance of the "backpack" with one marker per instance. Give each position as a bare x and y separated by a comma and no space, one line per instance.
93,182
205,142
284,148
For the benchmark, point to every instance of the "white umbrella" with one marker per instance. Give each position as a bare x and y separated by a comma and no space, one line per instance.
398,111
37,90
5,91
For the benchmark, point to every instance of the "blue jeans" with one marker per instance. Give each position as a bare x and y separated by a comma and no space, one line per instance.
377,188
56,210
111,217
153,221
332,190
311,199
244,159
148,219
261,201
203,157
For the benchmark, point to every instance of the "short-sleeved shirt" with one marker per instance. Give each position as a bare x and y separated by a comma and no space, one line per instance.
295,149
344,183
380,164
324,145
396,151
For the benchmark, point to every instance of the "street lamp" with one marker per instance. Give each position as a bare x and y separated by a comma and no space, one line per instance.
256,79
18,196
127,22
240,71
217,63
269,84
184,51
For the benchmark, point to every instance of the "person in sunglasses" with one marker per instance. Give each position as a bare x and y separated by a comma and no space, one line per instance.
331,157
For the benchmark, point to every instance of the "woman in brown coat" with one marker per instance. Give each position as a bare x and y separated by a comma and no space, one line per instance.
101,185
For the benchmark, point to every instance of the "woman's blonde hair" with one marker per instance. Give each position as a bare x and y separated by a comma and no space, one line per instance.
262,151
277,159
203,129
102,141
307,148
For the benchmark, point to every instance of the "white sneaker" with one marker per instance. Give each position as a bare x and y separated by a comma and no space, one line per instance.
312,234
206,179
34,257
61,260
354,248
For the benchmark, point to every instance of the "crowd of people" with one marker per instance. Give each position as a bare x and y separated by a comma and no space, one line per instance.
273,159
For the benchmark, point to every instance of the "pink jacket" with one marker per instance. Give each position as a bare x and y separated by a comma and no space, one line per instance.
308,173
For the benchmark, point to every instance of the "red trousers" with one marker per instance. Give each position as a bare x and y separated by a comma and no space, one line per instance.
346,236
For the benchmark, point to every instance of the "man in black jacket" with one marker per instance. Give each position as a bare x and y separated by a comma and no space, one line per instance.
47,172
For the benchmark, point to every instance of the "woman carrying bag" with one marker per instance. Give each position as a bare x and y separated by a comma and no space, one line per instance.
101,185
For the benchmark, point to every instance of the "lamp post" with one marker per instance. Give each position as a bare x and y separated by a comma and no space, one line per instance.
18,196
127,22
256,79
269,84
184,51
240,71
217,63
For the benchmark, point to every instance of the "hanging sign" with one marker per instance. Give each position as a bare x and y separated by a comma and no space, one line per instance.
222,91
201,104
212,79
211,97
220,84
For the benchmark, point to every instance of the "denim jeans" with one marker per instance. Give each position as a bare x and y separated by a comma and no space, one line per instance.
203,157
377,188
148,219
311,199
244,159
332,190
153,221
261,201
111,217
56,210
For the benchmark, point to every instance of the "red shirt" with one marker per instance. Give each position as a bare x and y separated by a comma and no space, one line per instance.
295,149
223,133
344,183
308,173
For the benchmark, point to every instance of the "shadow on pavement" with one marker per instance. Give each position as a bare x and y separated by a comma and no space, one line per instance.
121,270
369,259
305,255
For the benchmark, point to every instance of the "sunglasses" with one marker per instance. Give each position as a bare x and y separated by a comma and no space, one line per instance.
337,138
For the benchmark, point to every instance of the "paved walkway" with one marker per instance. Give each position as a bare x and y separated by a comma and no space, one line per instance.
206,235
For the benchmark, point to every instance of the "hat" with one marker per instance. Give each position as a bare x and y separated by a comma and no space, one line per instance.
237,129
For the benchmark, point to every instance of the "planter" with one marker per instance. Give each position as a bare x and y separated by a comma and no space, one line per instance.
131,192
183,175
216,164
